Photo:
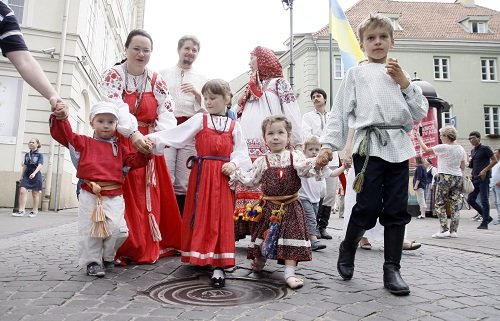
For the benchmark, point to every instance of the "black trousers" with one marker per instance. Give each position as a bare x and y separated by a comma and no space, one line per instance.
384,195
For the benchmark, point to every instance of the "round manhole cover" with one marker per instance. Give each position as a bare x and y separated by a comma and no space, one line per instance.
198,291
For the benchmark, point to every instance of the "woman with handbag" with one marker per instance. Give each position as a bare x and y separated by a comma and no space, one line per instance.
451,164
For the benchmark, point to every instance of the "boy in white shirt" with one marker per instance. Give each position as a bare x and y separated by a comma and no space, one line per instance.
310,192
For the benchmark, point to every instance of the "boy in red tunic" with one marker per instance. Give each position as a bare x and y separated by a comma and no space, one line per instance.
102,163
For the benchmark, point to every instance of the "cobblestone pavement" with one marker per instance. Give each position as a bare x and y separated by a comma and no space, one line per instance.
450,279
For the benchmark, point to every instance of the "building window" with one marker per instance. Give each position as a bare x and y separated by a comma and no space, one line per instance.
18,7
338,68
478,27
488,69
441,68
491,124
91,19
446,116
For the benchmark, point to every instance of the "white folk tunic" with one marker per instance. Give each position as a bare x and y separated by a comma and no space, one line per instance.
368,96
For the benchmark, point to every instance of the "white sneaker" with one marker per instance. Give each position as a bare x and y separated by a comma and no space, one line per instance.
32,214
441,235
454,234
18,214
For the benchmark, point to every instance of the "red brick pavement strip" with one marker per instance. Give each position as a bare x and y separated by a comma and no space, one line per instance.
451,279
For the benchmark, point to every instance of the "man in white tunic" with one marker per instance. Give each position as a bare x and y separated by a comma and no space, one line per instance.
185,85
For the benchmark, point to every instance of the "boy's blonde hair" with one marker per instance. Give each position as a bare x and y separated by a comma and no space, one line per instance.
311,140
275,119
374,21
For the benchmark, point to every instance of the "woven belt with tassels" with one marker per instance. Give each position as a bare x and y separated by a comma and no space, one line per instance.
99,227
380,132
276,215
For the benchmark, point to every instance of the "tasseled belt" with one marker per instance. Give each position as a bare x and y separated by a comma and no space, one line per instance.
364,150
99,227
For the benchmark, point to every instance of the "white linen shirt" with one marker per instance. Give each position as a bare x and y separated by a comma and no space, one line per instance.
369,96
314,123
185,104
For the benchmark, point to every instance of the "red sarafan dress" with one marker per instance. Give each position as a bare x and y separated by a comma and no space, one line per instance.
148,191
208,237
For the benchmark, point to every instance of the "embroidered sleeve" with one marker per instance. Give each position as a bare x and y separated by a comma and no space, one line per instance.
304,166
166,105
291,109
252,177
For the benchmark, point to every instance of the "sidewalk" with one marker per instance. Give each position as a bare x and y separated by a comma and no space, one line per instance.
450,279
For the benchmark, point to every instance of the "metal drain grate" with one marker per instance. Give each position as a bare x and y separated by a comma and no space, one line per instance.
198,291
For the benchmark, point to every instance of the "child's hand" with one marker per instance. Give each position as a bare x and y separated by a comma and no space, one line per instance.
396,72
324,157
228,168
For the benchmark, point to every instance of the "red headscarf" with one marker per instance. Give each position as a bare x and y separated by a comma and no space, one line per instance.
268,66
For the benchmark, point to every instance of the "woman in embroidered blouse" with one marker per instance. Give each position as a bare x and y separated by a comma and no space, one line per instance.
31,179
267,93
145,106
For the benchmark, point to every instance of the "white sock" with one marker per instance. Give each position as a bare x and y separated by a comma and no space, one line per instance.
218,273
289,271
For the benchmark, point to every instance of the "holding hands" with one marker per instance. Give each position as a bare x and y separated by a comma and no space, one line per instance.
396,72
228,168
59,108
142,144
324,157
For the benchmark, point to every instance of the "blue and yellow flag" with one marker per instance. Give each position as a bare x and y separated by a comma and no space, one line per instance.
344,35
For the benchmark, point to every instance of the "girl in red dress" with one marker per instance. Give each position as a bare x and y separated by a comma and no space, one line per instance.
208,228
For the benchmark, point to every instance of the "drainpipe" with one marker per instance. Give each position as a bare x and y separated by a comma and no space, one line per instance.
48,183
318,69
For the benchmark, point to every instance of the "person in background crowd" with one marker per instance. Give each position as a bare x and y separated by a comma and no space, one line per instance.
451,159
419,185
145,106
482,161
31,178
495,185
185,85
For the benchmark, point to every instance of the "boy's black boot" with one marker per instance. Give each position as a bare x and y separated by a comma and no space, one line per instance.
393,247
347,250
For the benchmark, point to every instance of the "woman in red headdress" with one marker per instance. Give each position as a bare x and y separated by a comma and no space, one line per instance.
267,93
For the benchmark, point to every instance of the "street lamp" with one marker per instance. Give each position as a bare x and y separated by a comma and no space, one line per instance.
288,5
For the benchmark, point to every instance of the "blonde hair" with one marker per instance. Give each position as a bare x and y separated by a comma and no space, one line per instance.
449,132
275,119
311,140
38,145
375,21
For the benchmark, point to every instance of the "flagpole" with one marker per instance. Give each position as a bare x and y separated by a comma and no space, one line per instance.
330,51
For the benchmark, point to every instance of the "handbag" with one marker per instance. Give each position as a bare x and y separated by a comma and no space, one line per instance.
467,186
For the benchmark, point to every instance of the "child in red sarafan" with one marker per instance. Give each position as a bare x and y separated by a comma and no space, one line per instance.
102,163
207,220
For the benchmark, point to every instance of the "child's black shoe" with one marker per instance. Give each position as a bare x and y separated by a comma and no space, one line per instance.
108,264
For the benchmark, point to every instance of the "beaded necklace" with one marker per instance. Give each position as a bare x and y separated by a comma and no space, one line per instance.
215,128
142,83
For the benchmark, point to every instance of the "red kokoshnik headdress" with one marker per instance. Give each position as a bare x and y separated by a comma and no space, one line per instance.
268,66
